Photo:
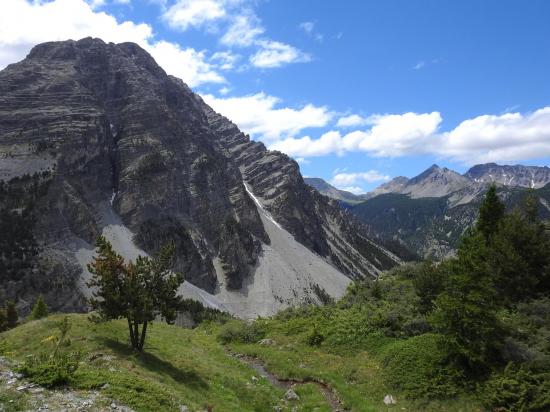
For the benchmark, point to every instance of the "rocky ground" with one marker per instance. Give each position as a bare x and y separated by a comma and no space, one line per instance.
17,394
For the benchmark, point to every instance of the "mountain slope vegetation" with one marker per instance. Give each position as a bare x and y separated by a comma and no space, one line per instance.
468,334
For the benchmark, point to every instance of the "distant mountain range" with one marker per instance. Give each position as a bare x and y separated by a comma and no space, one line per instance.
429,213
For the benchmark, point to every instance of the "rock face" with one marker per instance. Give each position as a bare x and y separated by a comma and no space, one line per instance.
95,139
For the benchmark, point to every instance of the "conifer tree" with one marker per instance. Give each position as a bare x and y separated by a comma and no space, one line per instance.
491,213
466,311
12,316
139,291
40,309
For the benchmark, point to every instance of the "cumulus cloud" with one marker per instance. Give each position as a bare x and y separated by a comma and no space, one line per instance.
498,138
193,13
275,54
356,190
24,24
348,179
264,117
225,60
501,138
244,30
352,120
390,135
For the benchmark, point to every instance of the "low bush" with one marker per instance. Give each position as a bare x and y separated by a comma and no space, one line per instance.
56,368
517,389
240,332
314,338
416,367
50,371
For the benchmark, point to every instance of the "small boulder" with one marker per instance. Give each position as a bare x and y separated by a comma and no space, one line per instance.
267,342
290,395
389,400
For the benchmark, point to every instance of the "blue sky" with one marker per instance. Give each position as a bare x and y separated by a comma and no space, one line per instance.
356,91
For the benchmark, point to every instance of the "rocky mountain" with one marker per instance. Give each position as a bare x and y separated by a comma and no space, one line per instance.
327,189
433,182
396,185
511,176
428,214
96,138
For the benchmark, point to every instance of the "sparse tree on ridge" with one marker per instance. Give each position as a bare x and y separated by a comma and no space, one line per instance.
40,309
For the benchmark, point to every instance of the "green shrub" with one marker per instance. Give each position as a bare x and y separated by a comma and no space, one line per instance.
50,371
40,309
56,368
518,389
416,367
241,332
314,338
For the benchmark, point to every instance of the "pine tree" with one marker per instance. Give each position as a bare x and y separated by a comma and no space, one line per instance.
12,316
519,257
491,213
40,309
466,311
139,291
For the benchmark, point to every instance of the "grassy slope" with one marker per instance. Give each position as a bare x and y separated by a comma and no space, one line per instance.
356,374
180,367
189,367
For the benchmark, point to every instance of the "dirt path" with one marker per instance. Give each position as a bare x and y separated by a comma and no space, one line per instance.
256,364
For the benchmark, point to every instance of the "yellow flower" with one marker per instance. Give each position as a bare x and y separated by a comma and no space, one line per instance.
51,338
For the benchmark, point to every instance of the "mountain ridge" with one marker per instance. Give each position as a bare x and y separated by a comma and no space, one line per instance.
429,213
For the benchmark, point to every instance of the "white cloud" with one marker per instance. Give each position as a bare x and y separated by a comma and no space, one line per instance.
262,116
302,160
309,28
390,135
275,54
224,90
225,60
352,120
24,24
193,13
95,4
243,31
503,138
348,179
188,64
419,65
124,2
356,190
